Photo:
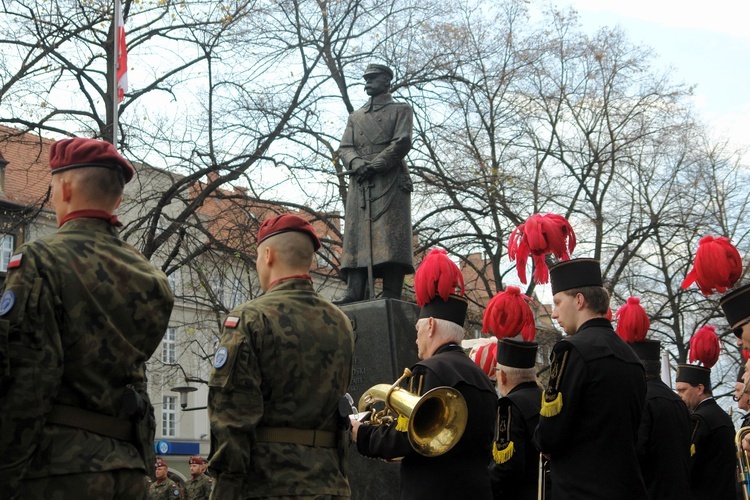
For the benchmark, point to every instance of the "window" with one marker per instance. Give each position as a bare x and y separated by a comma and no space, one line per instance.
237,294
168,348
169,416
6,251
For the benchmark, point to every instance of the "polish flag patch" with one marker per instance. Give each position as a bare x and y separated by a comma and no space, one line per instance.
15,261
231,321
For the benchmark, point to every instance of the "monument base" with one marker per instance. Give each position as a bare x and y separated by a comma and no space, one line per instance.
384,345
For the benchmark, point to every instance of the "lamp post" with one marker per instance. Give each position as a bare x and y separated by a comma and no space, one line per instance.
183,391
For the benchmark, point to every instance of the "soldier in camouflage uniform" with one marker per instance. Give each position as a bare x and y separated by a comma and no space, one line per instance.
283,364
81,313
164,488
198,487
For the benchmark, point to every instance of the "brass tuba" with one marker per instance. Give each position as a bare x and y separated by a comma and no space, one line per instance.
743,463
436,420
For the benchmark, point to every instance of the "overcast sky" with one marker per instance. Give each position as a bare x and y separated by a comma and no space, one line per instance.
706,43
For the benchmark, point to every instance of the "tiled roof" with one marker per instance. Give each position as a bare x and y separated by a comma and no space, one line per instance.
27,174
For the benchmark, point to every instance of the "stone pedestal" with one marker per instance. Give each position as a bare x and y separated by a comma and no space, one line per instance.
384,345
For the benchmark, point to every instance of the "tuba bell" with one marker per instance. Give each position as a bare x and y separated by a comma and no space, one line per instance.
743,463
434,422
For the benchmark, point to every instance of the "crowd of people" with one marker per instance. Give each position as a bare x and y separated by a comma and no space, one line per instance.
82,311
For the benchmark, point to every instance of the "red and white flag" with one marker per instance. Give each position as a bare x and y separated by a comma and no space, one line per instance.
122,55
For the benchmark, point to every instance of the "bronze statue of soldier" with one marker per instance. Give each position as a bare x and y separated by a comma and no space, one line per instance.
377,235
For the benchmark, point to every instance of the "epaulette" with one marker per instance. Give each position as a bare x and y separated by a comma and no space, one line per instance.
502,447
552,402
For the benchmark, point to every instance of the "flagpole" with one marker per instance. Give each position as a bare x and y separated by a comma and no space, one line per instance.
115,60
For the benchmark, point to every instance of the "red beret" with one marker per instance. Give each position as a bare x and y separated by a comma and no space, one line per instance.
68,154
284,223
195,460
160,463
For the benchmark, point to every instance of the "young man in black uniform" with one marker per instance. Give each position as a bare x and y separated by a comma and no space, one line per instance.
713,467
594,400
514,471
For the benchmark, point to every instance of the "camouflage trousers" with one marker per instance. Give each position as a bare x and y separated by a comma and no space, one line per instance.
120,484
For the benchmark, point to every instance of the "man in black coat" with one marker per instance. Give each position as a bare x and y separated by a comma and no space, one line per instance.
462,471
593,403
514,472
713,467
664,436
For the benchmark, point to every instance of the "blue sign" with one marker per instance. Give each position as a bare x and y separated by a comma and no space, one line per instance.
165,447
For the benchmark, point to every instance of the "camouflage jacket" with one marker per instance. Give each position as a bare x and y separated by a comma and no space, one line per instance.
285,360
167,490
81,313
198,488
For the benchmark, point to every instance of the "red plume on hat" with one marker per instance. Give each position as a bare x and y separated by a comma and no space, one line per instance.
437,275
632,321
539,235
705,346
717,265
509,314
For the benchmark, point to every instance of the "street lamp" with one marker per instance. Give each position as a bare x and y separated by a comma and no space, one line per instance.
183,392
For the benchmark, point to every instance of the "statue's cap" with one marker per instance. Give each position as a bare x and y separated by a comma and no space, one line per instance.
373,69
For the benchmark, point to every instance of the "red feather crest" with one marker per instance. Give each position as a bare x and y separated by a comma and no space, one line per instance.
437,275
705,346
538,236
632,321
717,265
509,314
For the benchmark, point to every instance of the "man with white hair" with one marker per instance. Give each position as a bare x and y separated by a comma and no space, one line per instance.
462,471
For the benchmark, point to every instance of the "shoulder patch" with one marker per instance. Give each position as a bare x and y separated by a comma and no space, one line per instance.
6,302
503,448
232,321
552,397
221,356
15,261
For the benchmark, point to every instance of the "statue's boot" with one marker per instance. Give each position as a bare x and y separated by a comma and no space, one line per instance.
355,287
393,284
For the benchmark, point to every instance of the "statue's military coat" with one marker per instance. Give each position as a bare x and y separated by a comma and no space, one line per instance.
82,313
518,477
284,360
461,472
713,467
381,130
592,436
664,443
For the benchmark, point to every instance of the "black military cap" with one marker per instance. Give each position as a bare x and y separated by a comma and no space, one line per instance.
736,307
516,353
453,309
373,69
647,350
694,375
575,273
